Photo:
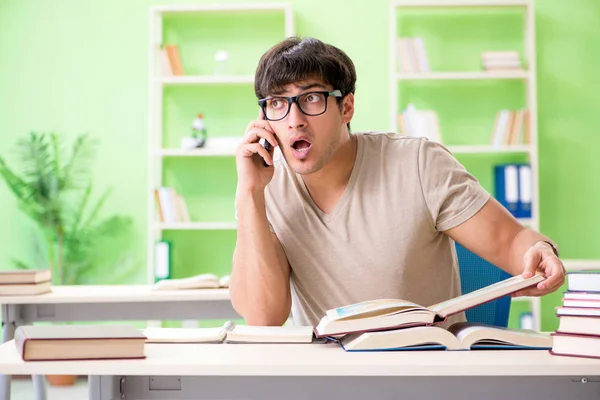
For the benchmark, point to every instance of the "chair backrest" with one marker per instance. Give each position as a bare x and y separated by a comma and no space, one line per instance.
475,273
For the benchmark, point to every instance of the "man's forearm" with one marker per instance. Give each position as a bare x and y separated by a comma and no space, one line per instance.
521,243
260,279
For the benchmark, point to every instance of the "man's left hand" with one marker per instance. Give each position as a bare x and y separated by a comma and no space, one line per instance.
541,258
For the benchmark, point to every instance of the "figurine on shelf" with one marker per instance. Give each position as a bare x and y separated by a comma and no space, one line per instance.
199,135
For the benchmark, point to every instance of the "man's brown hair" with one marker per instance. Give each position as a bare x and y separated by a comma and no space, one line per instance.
295,59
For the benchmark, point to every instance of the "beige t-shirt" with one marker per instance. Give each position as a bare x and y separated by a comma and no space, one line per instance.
384,237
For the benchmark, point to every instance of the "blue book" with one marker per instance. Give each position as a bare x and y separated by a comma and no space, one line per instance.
459,336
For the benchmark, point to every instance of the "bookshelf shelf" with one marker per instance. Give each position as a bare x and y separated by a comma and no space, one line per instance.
197,226
205,80
232,8
473,149
217,146
450,3
474,75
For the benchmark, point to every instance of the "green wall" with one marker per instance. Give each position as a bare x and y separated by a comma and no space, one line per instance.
76,66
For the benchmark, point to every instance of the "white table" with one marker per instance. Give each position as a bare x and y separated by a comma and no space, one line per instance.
307,371
107,303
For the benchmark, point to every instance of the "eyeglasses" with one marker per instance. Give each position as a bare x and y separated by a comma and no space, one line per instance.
312,103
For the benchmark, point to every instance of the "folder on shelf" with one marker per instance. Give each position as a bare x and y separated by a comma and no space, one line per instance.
162,260
525,191
513,188
506,182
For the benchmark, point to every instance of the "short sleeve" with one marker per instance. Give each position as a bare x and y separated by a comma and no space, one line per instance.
451,193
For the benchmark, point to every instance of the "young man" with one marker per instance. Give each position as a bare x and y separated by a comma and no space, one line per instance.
346,217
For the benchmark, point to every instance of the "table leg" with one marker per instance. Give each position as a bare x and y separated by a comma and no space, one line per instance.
104,387
39,387
8,333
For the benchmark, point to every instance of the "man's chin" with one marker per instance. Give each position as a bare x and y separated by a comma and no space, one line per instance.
304,167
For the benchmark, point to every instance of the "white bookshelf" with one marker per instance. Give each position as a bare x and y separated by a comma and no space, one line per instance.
205,80
215,146
397,78
450,3
457,76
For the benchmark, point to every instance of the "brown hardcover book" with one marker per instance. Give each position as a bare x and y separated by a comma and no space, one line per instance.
23,276
26,289
79,342
174,58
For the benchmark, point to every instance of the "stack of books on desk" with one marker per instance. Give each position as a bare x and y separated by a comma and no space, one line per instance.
25,282
390,324
578,332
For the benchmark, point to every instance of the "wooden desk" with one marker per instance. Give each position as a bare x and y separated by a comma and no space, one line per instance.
108,303
306,371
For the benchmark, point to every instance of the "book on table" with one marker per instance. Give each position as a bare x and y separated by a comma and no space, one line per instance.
231,333
79,342
459,336
202,281
385,314
583,281
25,282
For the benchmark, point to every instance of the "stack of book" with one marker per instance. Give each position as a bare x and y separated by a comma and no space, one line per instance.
412,57
578,332
501,61
25,282
419,123
389,324
511,127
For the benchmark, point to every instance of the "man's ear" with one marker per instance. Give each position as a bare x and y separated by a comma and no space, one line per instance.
348,108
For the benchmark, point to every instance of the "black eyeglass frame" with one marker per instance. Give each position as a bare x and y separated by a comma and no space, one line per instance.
294,99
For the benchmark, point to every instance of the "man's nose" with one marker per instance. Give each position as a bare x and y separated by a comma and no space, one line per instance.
296,118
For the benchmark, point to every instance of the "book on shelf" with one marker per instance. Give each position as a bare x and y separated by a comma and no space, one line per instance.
511,127
459,336
412,56
419,123
79,342
171,206
174,58
232,333
383,314
25,282
201,281
501,61
164,62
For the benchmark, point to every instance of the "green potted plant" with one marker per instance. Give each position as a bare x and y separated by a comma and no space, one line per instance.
53,187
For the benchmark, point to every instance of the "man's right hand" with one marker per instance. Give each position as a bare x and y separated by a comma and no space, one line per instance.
251,156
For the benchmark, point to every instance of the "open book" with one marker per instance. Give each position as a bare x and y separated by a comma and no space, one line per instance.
459,336
231,333
392,313
202,281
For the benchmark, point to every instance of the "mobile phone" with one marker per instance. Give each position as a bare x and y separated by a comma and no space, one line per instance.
265,143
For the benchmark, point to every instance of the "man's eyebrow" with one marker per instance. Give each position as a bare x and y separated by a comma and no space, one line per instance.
312,85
